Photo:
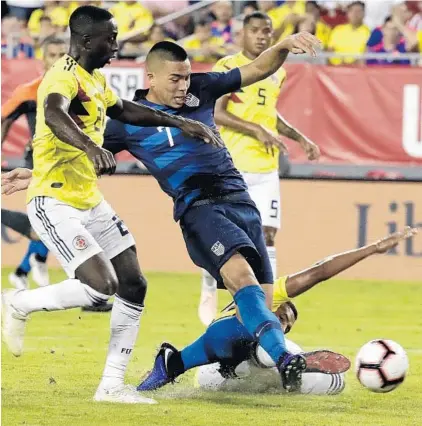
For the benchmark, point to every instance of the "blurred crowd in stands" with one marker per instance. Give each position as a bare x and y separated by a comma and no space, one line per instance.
344,27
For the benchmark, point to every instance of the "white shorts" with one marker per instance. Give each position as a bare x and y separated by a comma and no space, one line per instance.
264,189
75,235
249,377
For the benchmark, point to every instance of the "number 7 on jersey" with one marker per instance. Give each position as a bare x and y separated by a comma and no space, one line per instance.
169,135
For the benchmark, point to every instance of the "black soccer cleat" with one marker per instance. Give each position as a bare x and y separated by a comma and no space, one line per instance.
291,367
160,375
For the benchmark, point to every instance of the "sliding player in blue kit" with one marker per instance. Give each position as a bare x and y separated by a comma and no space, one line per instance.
220,223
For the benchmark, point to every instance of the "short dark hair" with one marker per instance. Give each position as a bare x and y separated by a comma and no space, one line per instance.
255,15
356,3
388,19
168,51
84,17
293,308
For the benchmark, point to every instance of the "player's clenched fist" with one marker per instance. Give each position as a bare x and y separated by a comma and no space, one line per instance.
103,160
311,149
196,129
302,42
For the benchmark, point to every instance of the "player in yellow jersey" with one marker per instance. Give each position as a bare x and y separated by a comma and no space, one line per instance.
250,126
230,357
67,210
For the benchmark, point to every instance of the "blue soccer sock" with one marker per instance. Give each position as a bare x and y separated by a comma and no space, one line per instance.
195,354
40,250
24,268
228,339
222,339
260,321
35,247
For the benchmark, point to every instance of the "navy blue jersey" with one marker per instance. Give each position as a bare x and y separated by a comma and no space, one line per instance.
187,169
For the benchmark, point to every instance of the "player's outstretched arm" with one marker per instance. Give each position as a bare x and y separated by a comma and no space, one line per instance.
226,118
297,284
141,115
286,129
57,118
268,62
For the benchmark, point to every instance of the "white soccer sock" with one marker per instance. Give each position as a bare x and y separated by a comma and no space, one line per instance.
65,295
124,323
322,384
208,282
272,254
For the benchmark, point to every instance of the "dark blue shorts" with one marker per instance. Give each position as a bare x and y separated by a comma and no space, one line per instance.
214,232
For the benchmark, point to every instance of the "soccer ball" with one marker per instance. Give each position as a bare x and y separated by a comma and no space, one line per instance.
381,365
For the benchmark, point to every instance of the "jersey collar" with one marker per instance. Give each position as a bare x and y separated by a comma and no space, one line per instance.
140,96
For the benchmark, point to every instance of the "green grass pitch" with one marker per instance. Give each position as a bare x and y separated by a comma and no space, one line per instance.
54,381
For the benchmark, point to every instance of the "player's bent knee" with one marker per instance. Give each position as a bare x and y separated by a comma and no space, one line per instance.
132,283
133,288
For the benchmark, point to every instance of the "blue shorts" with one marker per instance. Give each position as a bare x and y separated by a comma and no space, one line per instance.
215,231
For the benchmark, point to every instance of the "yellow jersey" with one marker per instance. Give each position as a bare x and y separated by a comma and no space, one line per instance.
62,171
347,39
130,17
419,41
283,11
322,33
59,17
194,43
255,104
279,292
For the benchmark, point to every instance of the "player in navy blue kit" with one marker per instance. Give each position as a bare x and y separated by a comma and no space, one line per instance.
220,223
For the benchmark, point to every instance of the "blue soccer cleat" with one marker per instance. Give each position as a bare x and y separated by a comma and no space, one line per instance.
291,368
159,375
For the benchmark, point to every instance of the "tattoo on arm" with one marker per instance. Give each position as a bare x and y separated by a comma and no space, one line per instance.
285,129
